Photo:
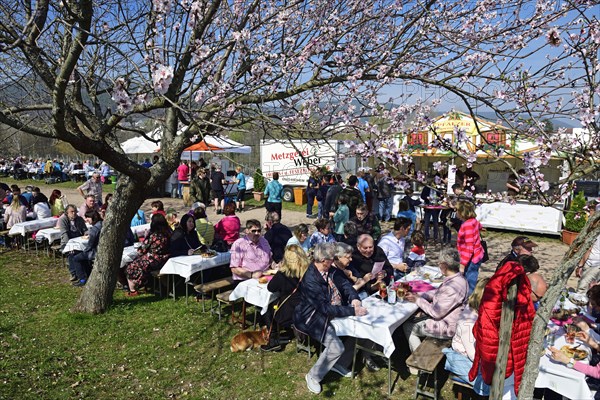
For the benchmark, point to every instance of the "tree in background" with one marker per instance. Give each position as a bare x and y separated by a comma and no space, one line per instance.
79,71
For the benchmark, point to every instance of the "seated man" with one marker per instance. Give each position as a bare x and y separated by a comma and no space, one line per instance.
277,235
251,254
70,225
393,243
366,222
88,205
441,306
365,257
81,262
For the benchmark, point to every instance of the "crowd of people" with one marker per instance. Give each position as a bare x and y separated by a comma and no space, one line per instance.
327,274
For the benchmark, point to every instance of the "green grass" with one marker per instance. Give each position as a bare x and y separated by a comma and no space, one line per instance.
142,348
289,206
47,189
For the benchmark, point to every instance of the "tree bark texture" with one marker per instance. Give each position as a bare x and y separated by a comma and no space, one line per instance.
97,294
506,321
584,241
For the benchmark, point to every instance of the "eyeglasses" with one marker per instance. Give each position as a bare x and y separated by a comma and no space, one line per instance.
255,230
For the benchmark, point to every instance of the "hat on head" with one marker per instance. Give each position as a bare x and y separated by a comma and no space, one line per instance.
198,205
523,241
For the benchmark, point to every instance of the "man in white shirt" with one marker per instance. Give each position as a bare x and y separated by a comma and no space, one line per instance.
392,244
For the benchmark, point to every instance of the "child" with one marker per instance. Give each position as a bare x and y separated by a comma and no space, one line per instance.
404,211
416,257
341,216
158,208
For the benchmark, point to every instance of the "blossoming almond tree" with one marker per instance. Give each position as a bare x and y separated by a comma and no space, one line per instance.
297,67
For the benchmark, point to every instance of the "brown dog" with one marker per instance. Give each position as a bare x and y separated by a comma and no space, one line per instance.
249,340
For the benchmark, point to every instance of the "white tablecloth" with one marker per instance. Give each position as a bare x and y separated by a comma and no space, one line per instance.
140,229
186,266
76,244
254,293
520,217
49,234
377,326
23,228
559,378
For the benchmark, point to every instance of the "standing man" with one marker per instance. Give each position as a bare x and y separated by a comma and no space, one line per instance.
183,173
251,254
354,196
240,179
274,193
521,245
217,180
385,192
92,186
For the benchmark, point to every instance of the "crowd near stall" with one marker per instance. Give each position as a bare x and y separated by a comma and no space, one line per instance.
354,272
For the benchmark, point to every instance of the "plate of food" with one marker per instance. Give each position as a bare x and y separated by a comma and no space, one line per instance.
207,253
574,352
579,299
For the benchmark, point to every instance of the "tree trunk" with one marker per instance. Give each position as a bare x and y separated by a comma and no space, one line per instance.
584,241
506,322
97,294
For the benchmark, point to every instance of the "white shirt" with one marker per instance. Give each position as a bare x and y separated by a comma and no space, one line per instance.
392,247
41,210
594,258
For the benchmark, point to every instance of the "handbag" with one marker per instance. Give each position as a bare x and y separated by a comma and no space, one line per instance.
486,256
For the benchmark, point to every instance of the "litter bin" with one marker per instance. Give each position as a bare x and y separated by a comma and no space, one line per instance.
300,196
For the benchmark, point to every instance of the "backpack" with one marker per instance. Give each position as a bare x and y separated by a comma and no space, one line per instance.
138,219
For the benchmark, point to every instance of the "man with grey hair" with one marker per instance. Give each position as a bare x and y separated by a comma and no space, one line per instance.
325,293
277,235
440,308
92,186
365,257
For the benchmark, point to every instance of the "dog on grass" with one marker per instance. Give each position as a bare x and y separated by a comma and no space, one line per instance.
249,340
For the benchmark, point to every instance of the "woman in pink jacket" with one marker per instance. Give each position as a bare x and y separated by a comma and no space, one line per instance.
228,228
441,307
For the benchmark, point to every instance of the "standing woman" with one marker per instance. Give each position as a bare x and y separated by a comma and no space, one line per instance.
153,253
468,242
57,206
240,179
274,192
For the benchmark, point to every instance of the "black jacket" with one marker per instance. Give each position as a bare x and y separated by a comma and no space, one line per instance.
278,237
313,313
182,242
354,199
284,285
364,265
330,204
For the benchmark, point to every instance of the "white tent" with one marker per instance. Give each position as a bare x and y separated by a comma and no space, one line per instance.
214,144
141,145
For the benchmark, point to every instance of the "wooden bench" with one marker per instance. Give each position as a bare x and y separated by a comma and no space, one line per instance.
460,387
156,282
212,288
56,252
223,300
4,236
426,359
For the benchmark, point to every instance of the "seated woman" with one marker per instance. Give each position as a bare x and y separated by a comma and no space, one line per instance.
81,263
459,358
205,229
228,228
300,237
153,253
104,206
441,306
57,203
341,261
325,294
184,240
285,282
15,213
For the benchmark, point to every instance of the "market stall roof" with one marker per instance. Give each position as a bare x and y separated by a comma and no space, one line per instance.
214,144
